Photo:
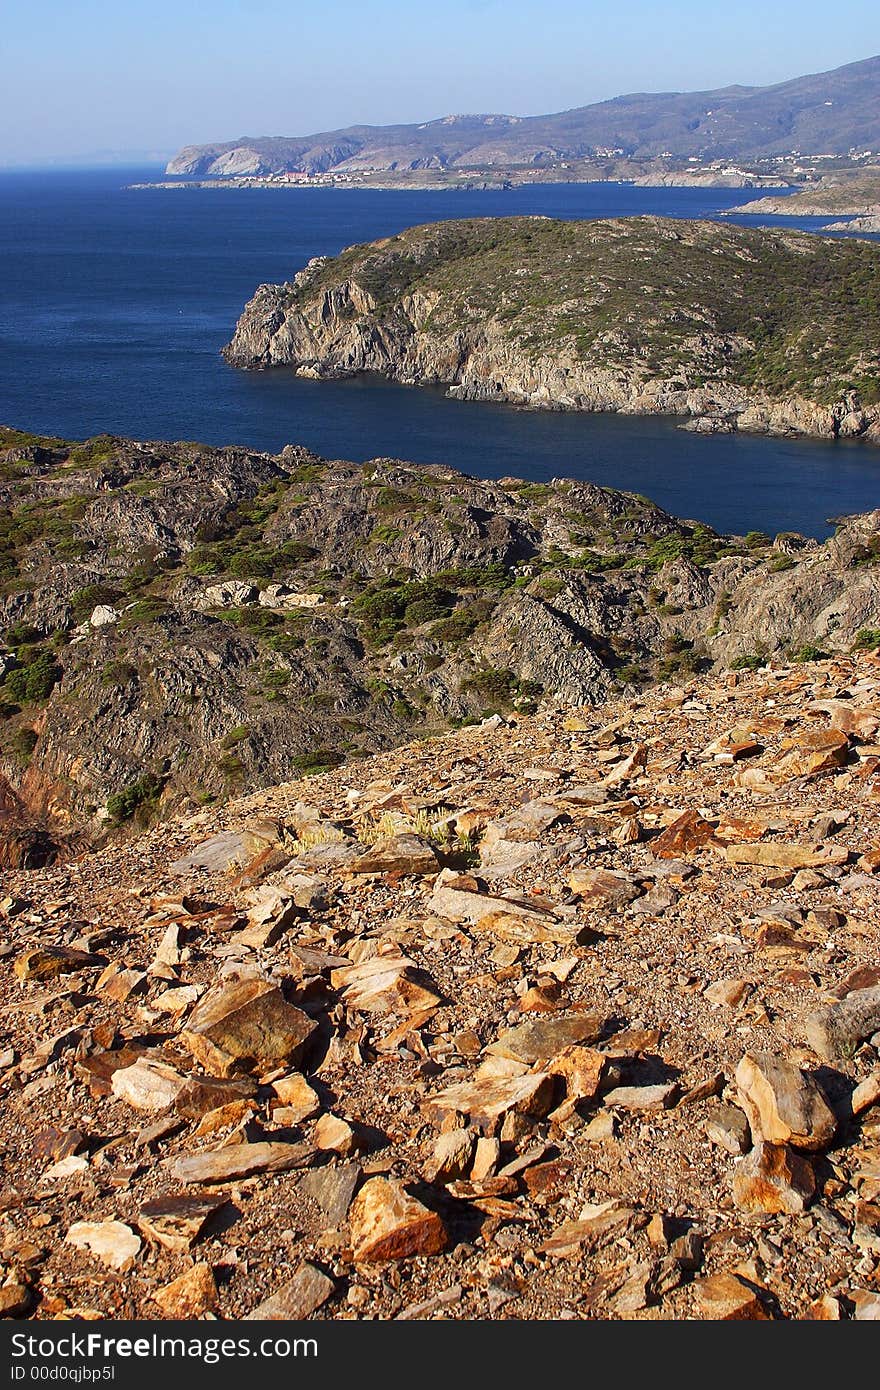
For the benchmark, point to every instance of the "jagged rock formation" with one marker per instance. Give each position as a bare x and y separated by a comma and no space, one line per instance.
573,1015
178,622
826,112
740,329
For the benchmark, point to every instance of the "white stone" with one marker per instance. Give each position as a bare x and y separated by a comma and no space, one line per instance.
111,1242
103,615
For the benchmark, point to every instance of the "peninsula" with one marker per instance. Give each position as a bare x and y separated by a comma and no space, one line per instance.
852,195
736,328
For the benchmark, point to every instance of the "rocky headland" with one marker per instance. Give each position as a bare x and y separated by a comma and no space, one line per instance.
182,623
769,331
852,195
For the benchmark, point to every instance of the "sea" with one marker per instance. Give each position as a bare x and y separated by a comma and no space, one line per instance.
115,303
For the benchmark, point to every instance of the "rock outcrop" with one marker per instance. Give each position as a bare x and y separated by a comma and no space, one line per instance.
182,622
641,316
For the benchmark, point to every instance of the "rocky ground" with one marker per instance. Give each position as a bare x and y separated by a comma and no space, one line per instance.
573,1014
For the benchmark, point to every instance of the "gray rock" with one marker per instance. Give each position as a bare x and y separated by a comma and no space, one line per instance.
333,1189
835,1032
305,1293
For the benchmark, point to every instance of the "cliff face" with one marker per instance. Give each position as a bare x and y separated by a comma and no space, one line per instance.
180,622
642,316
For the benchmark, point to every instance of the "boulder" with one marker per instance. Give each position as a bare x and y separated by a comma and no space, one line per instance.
726,1297
147,1085
298,1299
540,1039
835,1032
190,1295
784,1105
176,1222
773,1179
246,1025
688,833
387,1223
398,854
240,1161
111,1242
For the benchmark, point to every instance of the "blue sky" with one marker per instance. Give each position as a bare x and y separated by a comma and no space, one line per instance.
86,76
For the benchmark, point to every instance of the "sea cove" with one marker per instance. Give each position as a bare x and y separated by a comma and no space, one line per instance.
116,303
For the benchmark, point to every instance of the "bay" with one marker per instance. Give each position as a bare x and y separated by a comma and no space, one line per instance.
115,303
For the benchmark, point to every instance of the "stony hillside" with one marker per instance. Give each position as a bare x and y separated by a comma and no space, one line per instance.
758,330
829,111
179,623
573,1014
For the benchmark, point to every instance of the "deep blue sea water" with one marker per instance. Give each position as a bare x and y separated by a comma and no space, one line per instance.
114,304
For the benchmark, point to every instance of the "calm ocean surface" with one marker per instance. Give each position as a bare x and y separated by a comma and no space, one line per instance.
114,305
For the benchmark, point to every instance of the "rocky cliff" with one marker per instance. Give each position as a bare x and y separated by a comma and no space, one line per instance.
181,622
738,329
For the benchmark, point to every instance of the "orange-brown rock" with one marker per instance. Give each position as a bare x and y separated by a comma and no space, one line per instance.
582,1070
245,1025
386,983
397,854
176,1222
688,833
387,1223
488,1099
773,1179
48,962
725,1297
822,750
773,855
190,1295
603,887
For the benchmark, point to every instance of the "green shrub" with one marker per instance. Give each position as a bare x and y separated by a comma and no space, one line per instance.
750,662
22,743
780,563
85,600
118,673
260,622
22,635
491,684
808,652
386,535
423,610
144,611
138,798
33,683
317,760
867,640
231,766
236,735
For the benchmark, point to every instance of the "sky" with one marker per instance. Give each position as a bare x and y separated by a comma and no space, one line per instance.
88,80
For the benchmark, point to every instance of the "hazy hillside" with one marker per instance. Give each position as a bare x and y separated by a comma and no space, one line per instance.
831,112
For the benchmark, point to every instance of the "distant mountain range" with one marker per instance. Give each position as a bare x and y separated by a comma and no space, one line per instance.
827,113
